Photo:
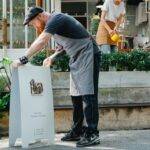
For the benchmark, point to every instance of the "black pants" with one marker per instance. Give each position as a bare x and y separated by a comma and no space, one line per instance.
90,111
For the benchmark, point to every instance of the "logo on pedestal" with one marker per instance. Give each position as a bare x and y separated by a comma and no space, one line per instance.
36,87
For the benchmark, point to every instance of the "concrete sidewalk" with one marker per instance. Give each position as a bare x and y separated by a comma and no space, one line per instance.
110,140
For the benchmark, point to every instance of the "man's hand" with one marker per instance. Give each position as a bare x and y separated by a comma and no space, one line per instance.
48,62
16,63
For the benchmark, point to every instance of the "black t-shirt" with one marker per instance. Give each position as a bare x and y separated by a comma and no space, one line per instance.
65,25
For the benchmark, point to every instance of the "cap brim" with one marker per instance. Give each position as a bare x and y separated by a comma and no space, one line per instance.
29,18
26,22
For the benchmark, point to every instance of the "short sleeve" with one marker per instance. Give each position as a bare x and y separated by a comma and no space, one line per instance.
105,6
55,24
123,9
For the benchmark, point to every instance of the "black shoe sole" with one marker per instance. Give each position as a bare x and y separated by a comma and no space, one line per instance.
71,139
89,144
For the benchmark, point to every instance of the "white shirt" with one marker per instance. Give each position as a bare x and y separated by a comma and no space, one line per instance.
113,11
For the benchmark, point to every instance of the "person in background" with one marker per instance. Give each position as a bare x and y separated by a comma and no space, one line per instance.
98,7
113,12
73,38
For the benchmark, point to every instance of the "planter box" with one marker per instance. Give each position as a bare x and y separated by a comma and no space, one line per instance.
114,88
123,100
110,119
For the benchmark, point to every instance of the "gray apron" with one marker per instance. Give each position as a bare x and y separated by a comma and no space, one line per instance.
81,64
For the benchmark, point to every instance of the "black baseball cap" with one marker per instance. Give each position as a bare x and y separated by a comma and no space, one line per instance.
32,13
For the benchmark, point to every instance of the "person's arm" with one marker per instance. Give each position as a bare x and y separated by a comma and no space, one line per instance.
38,44
105,10
56,54
103,21
120,20
58,51
51,59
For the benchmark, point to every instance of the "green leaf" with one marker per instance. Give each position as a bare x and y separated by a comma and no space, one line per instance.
6,61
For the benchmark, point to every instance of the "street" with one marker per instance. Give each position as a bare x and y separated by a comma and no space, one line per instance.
110,140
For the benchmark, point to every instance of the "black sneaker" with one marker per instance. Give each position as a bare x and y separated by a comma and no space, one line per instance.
71,136
88,140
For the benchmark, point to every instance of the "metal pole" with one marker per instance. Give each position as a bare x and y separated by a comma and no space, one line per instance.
11,24
4,28
4,9
87,14
49,43
48,5
52,9
52,5
26,27
147,6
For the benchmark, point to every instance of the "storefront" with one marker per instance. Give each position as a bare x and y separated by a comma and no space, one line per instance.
19,36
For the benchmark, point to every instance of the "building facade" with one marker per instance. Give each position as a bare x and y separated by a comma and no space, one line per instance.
19,36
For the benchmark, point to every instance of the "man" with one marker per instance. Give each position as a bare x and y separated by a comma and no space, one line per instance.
113,12
73,38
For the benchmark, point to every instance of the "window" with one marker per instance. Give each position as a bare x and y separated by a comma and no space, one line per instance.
18,35
77,10
82,10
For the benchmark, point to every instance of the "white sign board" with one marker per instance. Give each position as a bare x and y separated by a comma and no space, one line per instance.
31,106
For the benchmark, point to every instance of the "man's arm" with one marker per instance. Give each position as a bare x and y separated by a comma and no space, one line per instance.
50,60
38,44
57,54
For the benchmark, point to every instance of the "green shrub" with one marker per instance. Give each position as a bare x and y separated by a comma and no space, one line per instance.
3,83
135,60
105,62
4,95
147,63
61,63
4,101
37,60
94,24
119,60
139,59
